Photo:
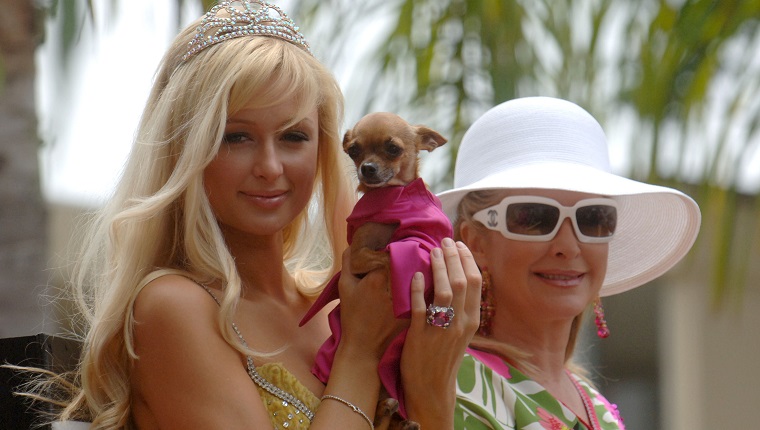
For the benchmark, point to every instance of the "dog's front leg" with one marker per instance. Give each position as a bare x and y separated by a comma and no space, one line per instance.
367,248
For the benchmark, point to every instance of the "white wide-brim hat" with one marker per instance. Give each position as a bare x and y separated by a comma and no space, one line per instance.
548,143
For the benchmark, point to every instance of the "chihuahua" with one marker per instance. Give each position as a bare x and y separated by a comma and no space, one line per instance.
384,148
393,227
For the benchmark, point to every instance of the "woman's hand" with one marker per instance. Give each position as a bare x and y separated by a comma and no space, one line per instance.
432,355
366,311
367,327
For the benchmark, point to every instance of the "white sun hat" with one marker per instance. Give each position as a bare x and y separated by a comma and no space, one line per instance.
548,143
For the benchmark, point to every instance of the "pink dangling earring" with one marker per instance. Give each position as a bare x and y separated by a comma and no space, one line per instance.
601,324
486,305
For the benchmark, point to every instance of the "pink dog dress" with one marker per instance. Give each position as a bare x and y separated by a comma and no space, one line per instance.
422,225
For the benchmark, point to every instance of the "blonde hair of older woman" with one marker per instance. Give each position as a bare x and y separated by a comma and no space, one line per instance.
159,219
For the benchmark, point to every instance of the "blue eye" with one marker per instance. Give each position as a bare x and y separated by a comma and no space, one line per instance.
295,136
232,138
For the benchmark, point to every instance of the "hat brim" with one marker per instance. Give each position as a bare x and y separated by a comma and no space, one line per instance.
656,225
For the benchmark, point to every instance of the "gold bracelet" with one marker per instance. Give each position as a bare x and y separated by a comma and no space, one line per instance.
352,406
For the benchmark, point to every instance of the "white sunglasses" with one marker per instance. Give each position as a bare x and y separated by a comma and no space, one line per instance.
538,219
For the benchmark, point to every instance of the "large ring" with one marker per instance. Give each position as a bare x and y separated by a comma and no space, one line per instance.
440,316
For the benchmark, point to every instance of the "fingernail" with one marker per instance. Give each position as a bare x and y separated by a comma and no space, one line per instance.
461,245
418,275
447,242
437,253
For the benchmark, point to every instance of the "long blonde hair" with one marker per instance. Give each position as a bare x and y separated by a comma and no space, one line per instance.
159,219
471,203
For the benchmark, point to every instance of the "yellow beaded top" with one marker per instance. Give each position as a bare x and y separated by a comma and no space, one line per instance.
283,414
289,402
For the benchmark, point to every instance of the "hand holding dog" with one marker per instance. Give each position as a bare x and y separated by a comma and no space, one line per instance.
432,355
363,342
367,319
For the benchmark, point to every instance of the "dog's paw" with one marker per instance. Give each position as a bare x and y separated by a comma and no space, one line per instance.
386,408
409,425
398,423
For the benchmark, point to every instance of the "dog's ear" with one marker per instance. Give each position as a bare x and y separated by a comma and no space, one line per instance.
429,139
347,138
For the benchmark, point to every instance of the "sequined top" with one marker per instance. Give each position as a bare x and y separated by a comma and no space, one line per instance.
283,414
288,401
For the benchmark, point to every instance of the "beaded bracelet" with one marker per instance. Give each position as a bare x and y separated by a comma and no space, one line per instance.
352,406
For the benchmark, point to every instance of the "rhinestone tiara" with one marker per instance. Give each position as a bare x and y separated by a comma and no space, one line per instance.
244,18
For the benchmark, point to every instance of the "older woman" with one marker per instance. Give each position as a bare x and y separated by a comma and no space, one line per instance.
552,230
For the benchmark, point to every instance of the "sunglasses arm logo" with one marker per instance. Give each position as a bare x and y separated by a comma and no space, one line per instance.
493,219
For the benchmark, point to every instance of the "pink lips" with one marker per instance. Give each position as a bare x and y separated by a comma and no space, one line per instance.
561,279
266,199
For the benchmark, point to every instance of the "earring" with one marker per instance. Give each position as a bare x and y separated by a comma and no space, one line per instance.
601,324
486,305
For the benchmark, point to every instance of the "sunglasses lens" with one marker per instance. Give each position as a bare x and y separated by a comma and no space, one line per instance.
597,220
531,219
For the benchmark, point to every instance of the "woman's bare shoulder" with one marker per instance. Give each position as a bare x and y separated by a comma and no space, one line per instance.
186,374
172,296
176,313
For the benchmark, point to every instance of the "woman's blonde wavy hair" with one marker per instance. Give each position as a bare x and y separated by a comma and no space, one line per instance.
159,220
471,203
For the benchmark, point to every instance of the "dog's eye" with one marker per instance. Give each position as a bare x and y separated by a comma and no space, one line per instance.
393,150
354,151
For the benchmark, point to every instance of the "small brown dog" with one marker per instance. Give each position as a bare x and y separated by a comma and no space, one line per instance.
384,148
393,227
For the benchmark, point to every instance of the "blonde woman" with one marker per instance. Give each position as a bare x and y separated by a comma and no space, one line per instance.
229,217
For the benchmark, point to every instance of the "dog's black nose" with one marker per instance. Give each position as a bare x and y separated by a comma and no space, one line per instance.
369,170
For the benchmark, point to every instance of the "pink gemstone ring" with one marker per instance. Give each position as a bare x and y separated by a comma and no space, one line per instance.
440,316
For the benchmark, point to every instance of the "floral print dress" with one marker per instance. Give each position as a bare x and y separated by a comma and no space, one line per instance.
491,394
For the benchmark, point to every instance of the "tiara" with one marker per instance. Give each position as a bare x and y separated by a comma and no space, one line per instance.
244,18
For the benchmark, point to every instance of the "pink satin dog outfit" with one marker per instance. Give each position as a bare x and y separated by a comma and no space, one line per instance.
422,225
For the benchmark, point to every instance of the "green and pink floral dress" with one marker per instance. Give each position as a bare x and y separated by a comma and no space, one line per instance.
491,394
